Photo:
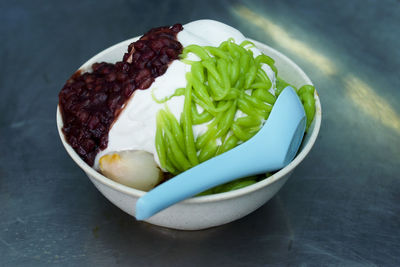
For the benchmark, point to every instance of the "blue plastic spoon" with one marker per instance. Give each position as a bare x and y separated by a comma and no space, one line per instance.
272,148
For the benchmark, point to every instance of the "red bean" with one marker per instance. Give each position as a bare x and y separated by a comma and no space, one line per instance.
84,103
93,121
161,70
142,74
128,89
111,77
121,76
99,98
72,141
146,83
156,45
166,41
171,53
177,28
90,86
140,64
140,45
163,58
147,55
89,78
88,145
98,88
82,116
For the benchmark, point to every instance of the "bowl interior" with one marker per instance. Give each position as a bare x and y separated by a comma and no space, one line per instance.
287,69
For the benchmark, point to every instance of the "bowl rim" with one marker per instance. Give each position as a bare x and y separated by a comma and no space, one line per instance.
207,198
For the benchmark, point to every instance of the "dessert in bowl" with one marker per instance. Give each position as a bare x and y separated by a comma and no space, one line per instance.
133,125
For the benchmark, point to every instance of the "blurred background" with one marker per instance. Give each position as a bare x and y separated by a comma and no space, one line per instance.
341,205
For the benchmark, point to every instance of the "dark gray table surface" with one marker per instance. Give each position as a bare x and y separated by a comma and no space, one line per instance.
340,207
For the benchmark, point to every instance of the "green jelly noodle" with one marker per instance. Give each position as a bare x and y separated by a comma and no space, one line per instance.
226,79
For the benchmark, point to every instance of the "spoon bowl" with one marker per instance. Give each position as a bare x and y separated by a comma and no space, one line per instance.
272,148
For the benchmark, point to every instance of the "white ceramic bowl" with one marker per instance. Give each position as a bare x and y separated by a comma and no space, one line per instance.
212,210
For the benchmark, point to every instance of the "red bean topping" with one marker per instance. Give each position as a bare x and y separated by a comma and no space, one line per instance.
90,102
177,28
88,78
93,121
128,89
139,45
146,83
156,45
111,77
142,74
121,77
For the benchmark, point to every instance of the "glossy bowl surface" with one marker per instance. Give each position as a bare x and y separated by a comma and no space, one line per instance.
212,210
